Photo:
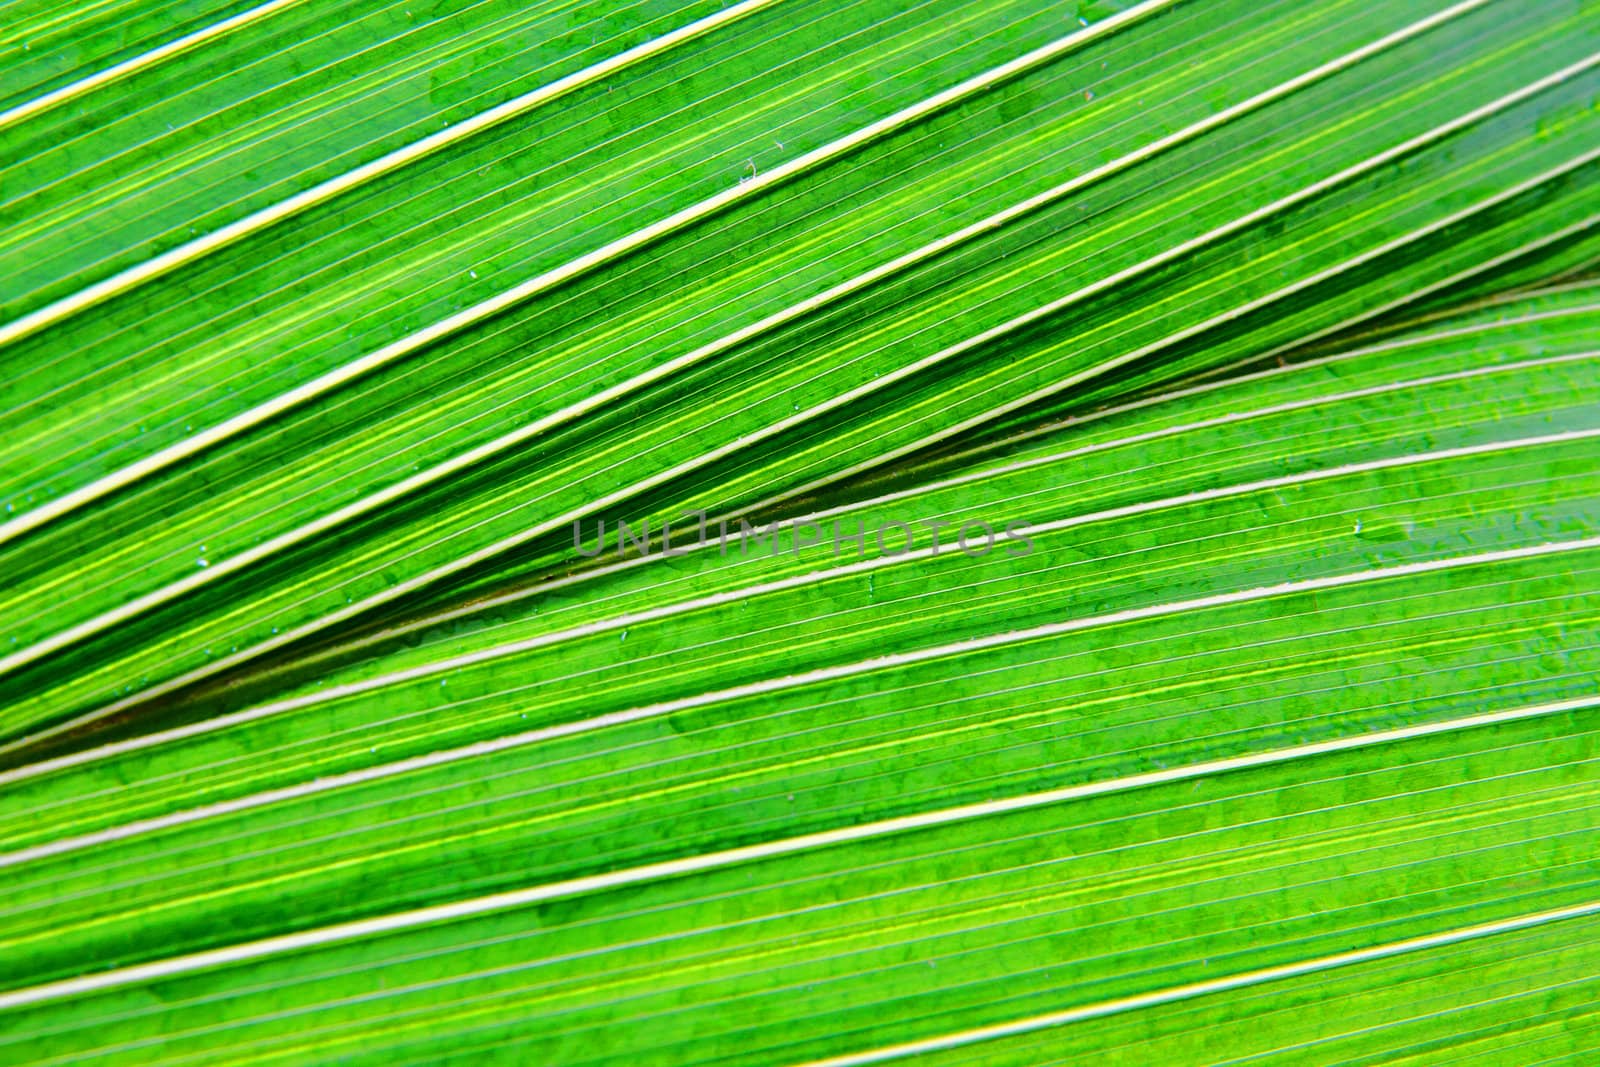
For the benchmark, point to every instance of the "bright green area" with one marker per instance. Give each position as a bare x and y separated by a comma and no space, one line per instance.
1272,330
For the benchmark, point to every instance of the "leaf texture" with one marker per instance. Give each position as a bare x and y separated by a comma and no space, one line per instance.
1113,516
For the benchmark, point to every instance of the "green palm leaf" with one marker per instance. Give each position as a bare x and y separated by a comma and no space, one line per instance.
1115,499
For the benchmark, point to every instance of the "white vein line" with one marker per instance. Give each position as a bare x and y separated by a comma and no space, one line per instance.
264,711
287,116
968,716
724,226
1011,836
137,63
837,871
518,293
397,1017
1414,295
1175,994
1558,289
1485,698
949,548
1011,407
1025,207
328,521
326,190
1230,418
1193,244
764,686
233,954
132,608
991,472
1269,373
1206,379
